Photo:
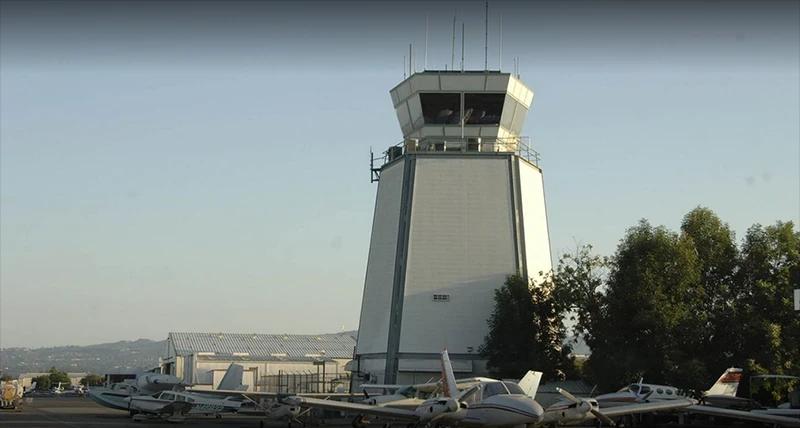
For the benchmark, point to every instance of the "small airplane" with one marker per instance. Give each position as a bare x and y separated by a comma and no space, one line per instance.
158,395
409,396
490,403
114,396
723,389
174,406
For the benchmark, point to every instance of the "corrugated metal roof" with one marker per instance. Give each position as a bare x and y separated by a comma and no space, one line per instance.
266,345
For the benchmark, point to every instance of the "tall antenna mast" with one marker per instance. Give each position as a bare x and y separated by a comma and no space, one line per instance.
486,38
500,54
409,60
426,42
404,67
462,46
453,49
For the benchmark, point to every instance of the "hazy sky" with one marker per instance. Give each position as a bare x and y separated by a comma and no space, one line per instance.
204,166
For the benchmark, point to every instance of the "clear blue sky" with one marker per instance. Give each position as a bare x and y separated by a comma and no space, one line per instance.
204,167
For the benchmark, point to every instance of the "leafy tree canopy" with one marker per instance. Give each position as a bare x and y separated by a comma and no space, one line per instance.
526,331
57,376
680,307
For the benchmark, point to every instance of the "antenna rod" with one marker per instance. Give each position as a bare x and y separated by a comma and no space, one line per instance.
486,38
404,67
462,46
409,60
500,54
426,42
453,49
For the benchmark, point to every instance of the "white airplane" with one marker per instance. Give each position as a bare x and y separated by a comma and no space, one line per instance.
716,401
489,403
149,383
175,406
410,396
724,388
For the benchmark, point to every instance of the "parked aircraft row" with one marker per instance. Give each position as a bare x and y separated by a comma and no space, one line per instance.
473,402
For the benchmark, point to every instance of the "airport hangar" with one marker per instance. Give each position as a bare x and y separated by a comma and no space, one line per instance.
26,379
460,206
271,362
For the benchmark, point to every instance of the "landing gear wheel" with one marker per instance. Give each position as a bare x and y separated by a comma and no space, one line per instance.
359,422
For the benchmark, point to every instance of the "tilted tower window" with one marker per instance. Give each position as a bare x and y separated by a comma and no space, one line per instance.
483,109
441,109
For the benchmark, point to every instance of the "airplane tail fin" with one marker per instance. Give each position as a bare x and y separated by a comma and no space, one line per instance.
530,383
448,378
727,384
232,379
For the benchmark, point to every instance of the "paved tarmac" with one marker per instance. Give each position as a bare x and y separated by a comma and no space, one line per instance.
76,412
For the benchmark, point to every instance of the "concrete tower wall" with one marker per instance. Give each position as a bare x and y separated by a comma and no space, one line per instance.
376,302
534,215
460,245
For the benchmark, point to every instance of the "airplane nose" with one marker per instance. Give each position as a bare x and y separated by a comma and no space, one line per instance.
529,407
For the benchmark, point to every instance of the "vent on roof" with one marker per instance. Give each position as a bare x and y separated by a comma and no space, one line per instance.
278,354
285,337
205,354
241,354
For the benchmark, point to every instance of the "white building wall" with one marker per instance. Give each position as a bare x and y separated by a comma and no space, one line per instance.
534,215
461,243
376,303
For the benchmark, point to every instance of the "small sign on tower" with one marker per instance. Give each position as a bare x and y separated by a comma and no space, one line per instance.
797,299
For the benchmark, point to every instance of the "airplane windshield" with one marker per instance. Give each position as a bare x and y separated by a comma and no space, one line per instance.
513,388
408,391
494,388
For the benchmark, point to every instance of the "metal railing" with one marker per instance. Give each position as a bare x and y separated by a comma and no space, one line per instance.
518,145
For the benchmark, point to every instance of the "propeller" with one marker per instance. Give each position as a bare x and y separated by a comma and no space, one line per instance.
591,409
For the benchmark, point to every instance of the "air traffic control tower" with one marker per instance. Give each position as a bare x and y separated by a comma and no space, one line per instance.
460,206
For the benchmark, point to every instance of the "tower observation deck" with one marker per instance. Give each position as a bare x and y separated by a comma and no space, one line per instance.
460,206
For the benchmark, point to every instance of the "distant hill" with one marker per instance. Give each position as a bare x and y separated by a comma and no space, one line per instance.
103,358
122,356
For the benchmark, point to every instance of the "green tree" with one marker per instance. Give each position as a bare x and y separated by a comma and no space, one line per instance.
92,380
57,376
645,325
42,382
680,307
764,317
580,280
526,331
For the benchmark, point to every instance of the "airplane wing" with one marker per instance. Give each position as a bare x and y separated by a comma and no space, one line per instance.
744,415
631,409
234,392
356,408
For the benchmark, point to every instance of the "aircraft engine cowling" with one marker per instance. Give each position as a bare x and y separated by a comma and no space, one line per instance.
449,409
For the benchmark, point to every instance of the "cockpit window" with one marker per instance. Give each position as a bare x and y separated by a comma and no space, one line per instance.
494,388
645,389
513,388
633,388
167,396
